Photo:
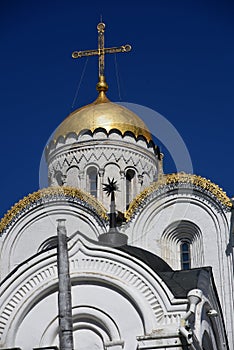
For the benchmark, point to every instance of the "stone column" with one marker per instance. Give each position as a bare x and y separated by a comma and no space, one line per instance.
100,184
139,184
82,180
123,190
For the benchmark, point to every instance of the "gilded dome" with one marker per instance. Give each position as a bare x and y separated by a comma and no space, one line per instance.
103,114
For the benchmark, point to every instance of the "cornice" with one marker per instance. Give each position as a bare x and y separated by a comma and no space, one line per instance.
101,146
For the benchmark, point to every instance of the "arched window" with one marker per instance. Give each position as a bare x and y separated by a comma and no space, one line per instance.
92,181
185,257
130,175
73,176
182,245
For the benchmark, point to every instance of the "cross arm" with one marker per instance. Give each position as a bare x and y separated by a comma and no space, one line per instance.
123,48
86,53
78,54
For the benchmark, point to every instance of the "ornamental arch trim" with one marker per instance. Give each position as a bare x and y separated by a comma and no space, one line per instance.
95,319
51,195
178,232
89,264
181,182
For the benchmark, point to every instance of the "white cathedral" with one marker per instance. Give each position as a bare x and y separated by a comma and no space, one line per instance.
148,267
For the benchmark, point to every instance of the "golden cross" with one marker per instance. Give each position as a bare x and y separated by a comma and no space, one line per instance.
101,51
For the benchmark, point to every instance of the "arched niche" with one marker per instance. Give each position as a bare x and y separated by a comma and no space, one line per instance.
73,177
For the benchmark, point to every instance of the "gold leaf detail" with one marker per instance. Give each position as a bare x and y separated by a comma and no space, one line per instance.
175,178
47,193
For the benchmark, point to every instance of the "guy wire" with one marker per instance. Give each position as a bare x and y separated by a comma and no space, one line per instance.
78,86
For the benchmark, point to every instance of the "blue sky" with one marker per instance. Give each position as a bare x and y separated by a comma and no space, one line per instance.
181,66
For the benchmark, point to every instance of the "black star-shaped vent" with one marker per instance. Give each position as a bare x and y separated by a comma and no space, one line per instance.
110,187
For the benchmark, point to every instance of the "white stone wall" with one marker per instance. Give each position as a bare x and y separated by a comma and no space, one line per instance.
165,219
34,227
112,155
115,300
29,296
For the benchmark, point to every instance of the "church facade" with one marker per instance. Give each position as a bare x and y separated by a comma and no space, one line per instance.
166,284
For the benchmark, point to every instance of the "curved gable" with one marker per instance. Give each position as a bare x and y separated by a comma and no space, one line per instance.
107,285
32,221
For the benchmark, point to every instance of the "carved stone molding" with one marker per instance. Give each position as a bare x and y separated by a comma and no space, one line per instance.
51,194
89,266
183,183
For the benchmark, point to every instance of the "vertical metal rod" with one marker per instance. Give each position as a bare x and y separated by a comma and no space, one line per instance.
112,212
101,49
64,292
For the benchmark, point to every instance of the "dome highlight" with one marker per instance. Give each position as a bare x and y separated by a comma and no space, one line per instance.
103,114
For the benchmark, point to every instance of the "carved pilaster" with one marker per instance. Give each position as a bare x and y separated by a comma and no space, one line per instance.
82,180
123,189
140,178
99,184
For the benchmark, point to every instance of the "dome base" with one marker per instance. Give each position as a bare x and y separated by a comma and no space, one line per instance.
113,238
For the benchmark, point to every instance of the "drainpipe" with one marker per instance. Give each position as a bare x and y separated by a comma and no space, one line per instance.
194,298
64,291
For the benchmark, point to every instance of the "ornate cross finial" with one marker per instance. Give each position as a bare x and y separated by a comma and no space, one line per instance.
100,52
